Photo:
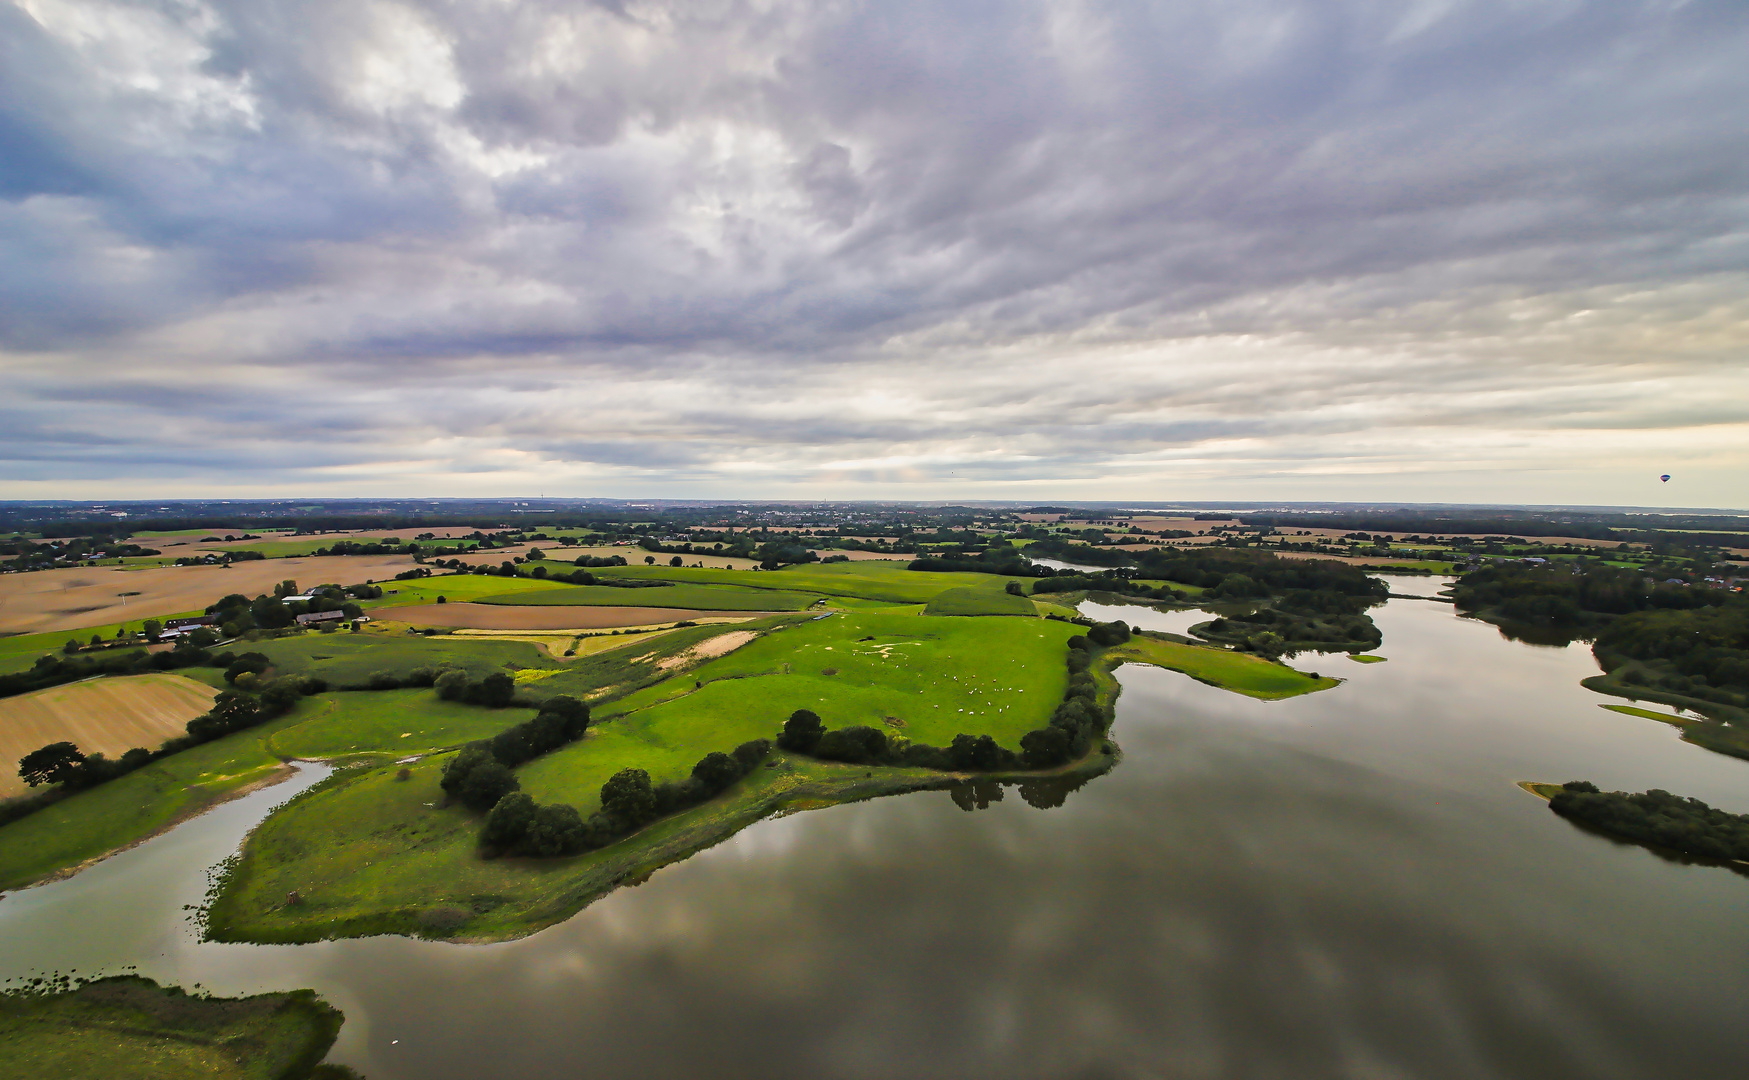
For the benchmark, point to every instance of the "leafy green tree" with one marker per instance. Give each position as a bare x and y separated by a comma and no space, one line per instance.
509,821
977,753
1044,748
56,763
716,771
857,745
494,691
628,797
452,685
457,770
802,731
486,783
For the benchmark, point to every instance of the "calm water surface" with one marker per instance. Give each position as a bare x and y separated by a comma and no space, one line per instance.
1343,885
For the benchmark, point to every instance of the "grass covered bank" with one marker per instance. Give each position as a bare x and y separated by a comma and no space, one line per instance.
1241,673
131,1027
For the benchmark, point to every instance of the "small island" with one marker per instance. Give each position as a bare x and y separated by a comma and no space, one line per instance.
1656,819
129,1026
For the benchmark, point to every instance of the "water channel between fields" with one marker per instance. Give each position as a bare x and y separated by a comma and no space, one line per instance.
1346,884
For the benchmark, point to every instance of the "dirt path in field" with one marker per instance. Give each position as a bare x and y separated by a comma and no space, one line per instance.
545,617
108,716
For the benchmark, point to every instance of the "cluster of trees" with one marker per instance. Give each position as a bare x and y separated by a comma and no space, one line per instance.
991,561
27,555
1572,594
1656,817
480,777
1056,546
237,614
1239,573
775,553
386,546
1297,620
1108,582
599,560
495,691
1701,652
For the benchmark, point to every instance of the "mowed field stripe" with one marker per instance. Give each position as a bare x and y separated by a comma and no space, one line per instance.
109,716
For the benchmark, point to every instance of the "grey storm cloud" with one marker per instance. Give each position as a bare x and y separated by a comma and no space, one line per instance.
1446,248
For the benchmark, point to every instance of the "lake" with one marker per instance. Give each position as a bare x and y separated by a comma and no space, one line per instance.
1342,885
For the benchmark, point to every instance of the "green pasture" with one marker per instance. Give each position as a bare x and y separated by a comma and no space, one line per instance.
280,549
350,659
888,581
133,807
975,600
131,1027
392,722
1241,673
458,587
696,597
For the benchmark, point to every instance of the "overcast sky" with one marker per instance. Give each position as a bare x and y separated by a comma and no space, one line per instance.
1248,249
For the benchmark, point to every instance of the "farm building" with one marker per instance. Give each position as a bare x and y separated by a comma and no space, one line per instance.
317,618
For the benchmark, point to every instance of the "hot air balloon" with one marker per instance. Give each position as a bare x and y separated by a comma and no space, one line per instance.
1665,478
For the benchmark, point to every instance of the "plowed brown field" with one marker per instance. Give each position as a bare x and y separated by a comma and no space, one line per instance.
107,716
505,617
49,600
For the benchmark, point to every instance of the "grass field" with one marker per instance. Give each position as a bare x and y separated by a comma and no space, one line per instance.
107,716
973,600
131,1027
546,618
350,659
394,723
694,597
133,807
1238,672
888,581
459,587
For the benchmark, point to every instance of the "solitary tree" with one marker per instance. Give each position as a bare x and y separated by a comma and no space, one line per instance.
55,763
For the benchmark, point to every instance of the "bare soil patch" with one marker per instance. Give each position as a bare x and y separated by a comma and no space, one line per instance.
506,617
108,716
709,649
44,601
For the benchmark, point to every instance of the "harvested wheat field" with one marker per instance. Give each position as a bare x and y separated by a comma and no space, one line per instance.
50,600
507,617
107,716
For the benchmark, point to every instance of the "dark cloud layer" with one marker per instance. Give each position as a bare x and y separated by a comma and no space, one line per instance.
1346,249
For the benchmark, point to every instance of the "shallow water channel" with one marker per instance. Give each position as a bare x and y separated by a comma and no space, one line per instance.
1342,885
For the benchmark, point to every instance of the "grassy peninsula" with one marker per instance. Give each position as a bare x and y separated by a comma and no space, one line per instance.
950,677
